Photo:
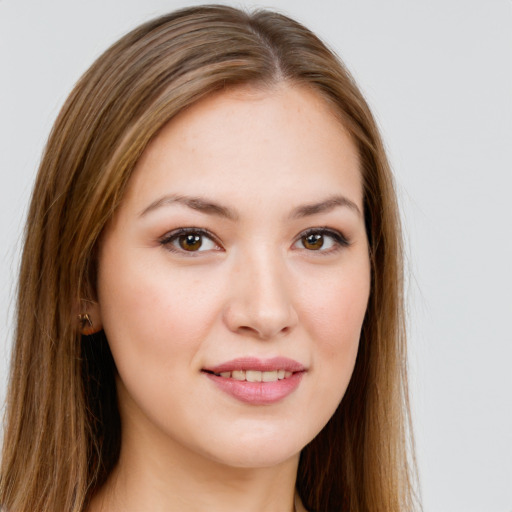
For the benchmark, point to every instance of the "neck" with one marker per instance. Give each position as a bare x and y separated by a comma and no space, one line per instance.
215,488
167,477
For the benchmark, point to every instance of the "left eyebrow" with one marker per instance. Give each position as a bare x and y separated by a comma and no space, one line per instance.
324,206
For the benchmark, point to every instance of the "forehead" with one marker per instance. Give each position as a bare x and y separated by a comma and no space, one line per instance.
249,141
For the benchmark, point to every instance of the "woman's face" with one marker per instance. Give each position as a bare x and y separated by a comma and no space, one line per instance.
234,278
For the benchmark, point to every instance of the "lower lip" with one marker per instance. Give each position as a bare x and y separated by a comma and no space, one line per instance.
257,393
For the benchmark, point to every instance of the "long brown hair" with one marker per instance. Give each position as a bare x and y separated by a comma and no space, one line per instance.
62,431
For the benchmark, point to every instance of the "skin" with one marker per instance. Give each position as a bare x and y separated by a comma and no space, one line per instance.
257,289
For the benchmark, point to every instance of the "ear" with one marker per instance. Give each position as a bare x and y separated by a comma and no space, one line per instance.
89,317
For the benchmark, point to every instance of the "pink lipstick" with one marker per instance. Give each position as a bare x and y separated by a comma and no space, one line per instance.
257,381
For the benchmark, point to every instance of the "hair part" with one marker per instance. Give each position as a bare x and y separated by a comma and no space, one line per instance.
62,435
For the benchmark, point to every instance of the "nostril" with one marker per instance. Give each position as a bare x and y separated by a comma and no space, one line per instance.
259,317
263,332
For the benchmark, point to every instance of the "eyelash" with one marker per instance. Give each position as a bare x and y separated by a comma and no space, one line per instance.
339,240
173,236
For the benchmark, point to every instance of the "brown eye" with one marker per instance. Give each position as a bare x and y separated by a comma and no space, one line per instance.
321,240
190,242
313,242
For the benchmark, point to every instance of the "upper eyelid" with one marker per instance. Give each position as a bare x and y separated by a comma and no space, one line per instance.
170,235
336,233
184,230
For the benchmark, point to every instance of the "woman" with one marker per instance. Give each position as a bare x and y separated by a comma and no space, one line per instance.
210,311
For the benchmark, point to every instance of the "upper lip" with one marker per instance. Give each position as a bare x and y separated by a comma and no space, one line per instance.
262,365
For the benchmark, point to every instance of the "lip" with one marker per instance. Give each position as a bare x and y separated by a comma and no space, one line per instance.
262,365
257,393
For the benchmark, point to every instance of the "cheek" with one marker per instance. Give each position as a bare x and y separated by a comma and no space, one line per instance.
150,311
335,310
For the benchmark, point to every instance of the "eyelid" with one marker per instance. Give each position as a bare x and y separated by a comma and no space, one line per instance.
169,237
339,238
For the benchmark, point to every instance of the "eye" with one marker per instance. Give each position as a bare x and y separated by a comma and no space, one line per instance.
321,240
189,240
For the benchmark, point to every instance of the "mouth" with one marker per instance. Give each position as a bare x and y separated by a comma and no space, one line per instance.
256,381
254,375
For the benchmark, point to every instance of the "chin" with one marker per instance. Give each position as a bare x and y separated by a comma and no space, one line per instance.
256,458
257,449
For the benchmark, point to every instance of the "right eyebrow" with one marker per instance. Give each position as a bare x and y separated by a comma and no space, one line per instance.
195,203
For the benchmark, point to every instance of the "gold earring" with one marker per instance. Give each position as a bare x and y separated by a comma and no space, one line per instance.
86,324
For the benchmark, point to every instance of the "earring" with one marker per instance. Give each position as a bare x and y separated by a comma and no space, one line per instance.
86,324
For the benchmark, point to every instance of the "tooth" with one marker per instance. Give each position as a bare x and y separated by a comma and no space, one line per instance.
252,376
280,374
238,374
287,374
269,376
225,374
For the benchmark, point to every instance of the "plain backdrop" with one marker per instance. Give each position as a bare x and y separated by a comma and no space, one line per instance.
438,75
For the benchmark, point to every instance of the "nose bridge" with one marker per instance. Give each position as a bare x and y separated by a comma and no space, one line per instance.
261,301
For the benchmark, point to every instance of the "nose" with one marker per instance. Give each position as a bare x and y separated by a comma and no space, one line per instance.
260,300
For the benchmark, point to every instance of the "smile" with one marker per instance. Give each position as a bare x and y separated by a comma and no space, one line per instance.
255,381
256,375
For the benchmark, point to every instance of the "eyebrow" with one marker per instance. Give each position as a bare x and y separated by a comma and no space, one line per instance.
324,206
209,207
195,203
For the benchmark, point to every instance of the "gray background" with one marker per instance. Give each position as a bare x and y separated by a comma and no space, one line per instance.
438,75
